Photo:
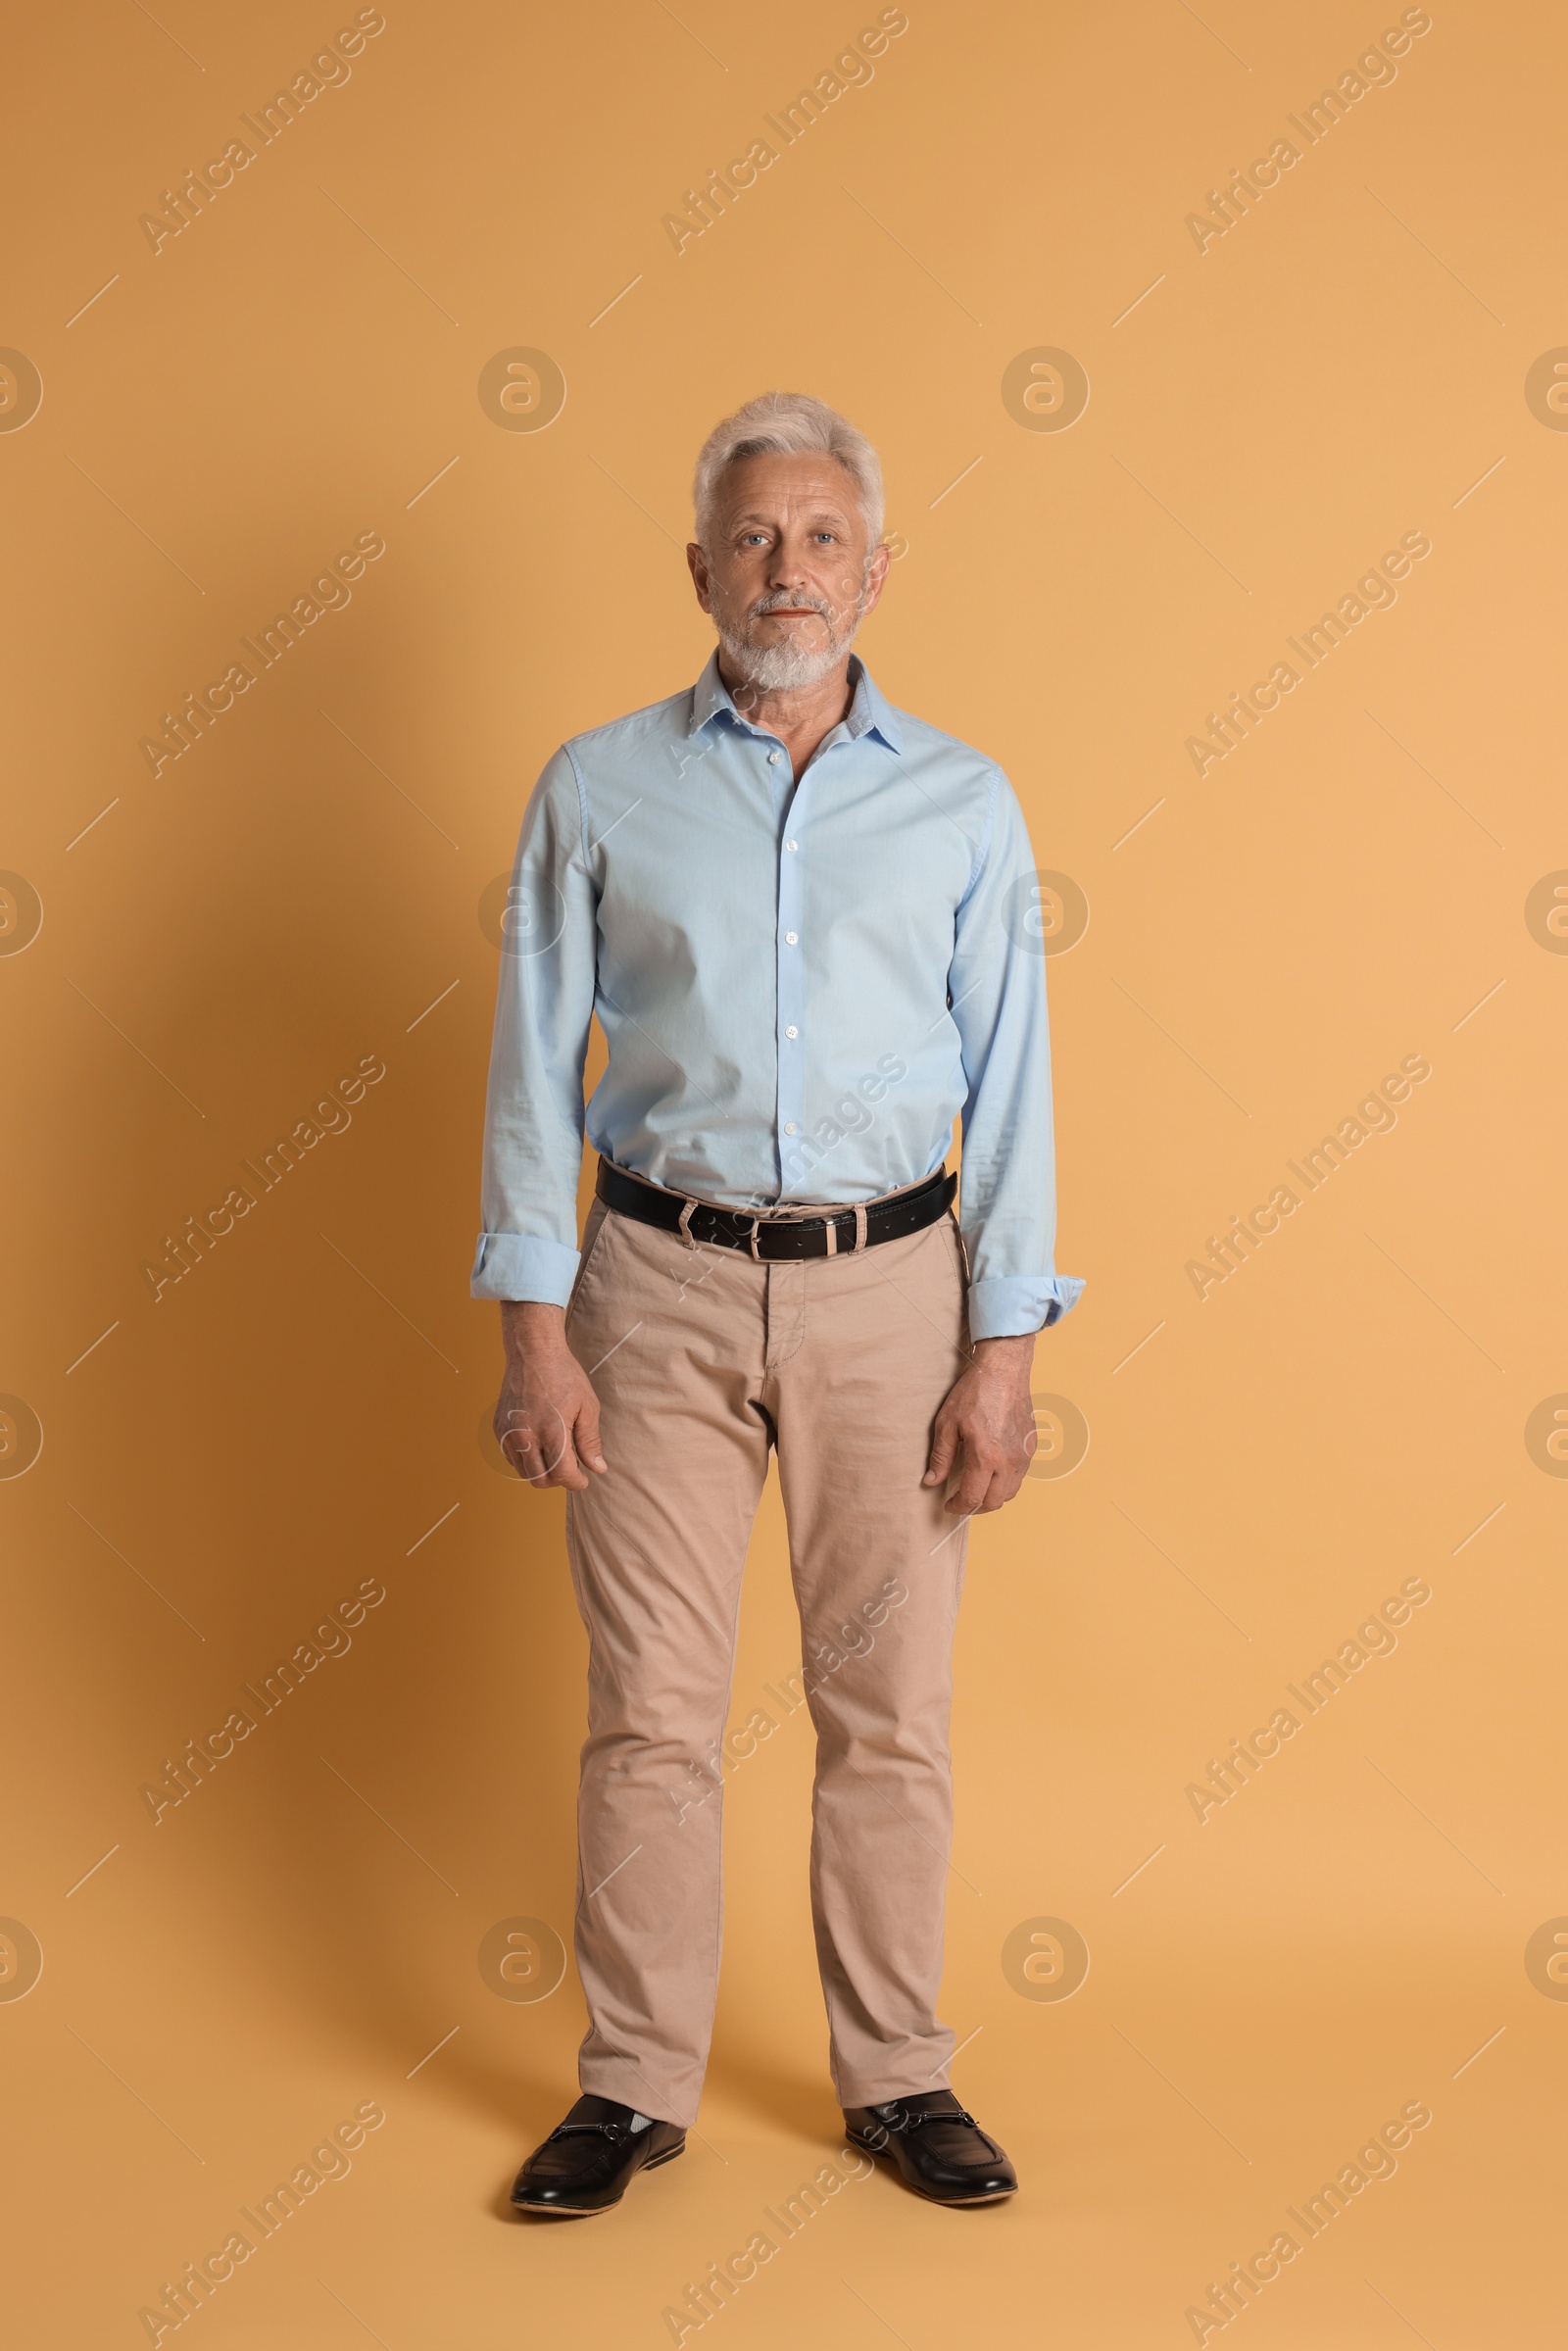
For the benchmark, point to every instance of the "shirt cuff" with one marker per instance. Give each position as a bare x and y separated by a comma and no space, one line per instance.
1013,1307
519,1266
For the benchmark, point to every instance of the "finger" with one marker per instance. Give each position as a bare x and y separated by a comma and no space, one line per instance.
544,1460
561,1466
944,1445
517,1446
586,1438
980,1466
513,1434
1005,1484
969,1493
557,1456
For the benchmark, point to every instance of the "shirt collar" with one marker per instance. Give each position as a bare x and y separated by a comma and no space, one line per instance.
869,709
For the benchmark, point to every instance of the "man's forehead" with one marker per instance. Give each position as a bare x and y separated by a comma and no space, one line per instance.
756,487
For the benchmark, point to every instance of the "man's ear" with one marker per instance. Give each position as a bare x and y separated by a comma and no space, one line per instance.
697,564
877,576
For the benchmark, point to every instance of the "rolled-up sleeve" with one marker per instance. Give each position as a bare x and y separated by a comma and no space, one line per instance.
1007,1205
534,1101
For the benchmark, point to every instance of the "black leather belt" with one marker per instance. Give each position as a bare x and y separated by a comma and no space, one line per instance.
834,1233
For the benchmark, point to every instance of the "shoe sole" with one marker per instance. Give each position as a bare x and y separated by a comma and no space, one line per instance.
962,2203
592,2212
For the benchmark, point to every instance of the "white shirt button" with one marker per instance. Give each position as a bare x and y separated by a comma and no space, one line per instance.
789,1126
773,757
792,844
791,939
792,1032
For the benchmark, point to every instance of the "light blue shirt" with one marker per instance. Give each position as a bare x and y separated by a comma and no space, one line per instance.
801,985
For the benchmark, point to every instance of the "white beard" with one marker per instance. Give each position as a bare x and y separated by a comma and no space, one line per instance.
787,666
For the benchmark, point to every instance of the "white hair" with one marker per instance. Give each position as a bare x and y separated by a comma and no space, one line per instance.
787,424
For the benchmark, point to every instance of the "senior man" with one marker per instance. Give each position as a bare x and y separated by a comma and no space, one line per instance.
808,925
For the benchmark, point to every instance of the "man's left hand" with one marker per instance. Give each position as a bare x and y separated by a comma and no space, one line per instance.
985,1430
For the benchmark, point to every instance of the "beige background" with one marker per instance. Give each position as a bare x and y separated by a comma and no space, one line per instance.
302,889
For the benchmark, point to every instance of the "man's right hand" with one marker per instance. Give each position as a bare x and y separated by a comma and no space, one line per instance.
547,1417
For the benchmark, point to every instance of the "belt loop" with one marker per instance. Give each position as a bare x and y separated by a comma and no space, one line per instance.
686,1224
859,1224
831,1225
756,1226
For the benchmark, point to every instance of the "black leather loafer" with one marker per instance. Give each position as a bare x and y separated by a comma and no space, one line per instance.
588,2161
942,2152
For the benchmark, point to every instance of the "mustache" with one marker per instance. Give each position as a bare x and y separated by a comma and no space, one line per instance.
781,600
830,614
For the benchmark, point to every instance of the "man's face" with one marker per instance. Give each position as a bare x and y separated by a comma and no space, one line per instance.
787,574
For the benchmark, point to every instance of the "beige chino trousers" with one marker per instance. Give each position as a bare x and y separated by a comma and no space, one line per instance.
702,1358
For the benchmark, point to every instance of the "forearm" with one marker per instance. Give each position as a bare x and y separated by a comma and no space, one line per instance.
528,1326
1006,1355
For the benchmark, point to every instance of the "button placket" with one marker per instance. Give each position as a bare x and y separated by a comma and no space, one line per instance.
790,961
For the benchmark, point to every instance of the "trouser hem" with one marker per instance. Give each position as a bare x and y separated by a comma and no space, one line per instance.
880,2089
627,2087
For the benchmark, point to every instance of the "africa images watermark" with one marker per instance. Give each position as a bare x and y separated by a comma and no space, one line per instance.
1374,1638
854,1639
1373,591
804,1154
1377,2159
184,1252
1375,1115
200,2280
722,2281
328,69
851,70
330,593
330,1639
1375,69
